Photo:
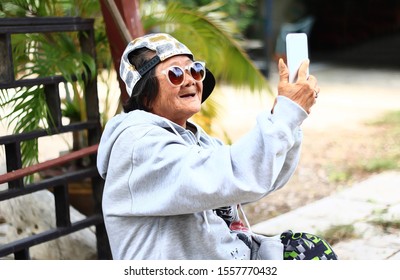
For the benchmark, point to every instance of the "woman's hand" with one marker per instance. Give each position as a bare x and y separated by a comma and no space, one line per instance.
304,91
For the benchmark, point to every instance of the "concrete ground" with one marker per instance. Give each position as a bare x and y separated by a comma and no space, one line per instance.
369,211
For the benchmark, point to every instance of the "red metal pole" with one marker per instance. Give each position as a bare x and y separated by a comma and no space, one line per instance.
131,14
20,173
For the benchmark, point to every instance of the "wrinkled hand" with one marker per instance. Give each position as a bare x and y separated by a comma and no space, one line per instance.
304,91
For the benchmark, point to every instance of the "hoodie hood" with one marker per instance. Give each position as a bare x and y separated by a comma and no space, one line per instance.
119,123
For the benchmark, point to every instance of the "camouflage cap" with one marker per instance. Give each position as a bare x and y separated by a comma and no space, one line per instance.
165,46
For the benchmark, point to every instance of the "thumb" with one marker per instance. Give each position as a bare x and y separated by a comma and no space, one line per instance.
283,71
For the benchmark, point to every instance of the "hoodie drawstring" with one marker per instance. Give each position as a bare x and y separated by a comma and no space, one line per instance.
245,218
206,220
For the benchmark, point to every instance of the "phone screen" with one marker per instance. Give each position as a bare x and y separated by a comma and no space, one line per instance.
296,53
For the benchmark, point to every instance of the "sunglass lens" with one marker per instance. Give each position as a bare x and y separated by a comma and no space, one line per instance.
197,71
175,75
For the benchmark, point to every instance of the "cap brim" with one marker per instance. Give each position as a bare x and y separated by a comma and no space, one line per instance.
208,85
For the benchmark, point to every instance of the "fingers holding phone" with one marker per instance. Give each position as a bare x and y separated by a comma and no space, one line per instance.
295,81
302,92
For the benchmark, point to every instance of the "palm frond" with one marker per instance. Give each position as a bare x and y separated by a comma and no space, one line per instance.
26,116
43,55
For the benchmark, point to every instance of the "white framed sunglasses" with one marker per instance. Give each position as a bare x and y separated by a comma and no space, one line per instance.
176,74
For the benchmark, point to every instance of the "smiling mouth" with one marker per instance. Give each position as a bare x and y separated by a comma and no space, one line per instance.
188,95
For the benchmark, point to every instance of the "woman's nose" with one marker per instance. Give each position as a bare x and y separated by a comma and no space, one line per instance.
188,78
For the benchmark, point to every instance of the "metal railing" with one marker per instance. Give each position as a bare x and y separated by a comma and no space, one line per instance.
58,184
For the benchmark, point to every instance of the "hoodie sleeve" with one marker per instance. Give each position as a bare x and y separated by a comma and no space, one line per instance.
279,137
167,176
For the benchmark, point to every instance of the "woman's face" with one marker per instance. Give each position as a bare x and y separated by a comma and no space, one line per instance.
177,103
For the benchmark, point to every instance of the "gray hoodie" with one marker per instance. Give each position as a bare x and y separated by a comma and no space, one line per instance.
163,182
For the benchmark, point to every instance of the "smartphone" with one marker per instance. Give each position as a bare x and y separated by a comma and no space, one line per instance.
296,53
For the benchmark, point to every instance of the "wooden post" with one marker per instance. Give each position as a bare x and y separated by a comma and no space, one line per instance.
6,65
121,16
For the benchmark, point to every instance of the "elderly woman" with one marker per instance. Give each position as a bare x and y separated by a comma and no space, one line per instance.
172,191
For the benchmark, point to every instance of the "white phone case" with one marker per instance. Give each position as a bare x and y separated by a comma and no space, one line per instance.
296,53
